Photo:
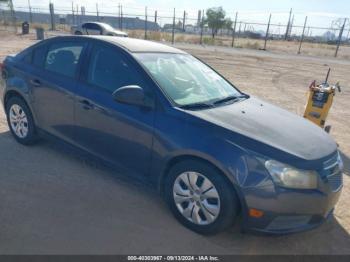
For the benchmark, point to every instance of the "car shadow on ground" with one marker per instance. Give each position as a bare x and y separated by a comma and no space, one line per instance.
84,206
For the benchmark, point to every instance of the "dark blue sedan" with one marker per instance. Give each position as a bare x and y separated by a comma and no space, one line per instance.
213,152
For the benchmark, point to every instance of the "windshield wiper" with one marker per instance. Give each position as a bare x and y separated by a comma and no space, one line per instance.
229,98
197,106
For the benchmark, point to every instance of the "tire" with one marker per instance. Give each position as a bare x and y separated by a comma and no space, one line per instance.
224,205
78,33
28,136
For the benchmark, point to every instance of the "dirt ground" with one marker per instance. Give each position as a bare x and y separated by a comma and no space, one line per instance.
55,202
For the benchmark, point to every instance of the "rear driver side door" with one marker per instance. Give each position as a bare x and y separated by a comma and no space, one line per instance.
53,83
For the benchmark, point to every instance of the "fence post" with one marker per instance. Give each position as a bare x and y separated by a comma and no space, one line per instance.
52,17
146,22
78,16
234,31
184,21
73,17
173,32
121,17
267,32
13,16
202,25
339,38
118,17
288,24
30,12
97,12
302,35
82,13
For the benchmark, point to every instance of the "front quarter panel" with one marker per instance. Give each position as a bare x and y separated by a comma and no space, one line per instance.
179,135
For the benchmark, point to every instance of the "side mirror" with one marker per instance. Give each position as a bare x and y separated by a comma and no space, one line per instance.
133,95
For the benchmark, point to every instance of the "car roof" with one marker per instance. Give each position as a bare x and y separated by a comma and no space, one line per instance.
134,45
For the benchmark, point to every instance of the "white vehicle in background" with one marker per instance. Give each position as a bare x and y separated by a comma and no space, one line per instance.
96,28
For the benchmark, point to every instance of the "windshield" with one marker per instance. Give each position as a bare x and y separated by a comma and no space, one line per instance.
108,27
186,80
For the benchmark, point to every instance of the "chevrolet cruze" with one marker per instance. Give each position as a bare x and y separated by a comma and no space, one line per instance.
213,152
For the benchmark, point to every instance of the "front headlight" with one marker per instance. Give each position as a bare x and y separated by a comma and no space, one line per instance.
288,176
340,162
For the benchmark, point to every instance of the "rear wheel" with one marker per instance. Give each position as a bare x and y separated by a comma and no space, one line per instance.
200,197
20,121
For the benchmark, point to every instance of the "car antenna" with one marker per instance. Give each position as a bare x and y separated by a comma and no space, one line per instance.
326,81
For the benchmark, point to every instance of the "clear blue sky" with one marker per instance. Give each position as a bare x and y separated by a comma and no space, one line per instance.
321,12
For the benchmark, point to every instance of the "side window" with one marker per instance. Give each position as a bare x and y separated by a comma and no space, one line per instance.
39,56
109,69
62,58
86,26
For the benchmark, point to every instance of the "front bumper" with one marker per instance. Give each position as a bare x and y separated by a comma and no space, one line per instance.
292,210
298,212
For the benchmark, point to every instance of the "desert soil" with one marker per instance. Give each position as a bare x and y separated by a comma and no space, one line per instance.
53,201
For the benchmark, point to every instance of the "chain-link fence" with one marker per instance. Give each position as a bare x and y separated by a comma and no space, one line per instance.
282,32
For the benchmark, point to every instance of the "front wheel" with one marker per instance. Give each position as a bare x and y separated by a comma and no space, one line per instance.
200,197
20,121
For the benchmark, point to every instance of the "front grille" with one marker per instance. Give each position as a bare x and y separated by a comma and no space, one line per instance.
335,181
332,173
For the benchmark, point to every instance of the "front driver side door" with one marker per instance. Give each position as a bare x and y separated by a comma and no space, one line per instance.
92,29
118,133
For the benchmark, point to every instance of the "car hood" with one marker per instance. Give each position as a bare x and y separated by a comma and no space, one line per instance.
269,130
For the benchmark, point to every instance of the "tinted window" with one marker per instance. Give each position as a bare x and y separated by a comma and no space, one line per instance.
62,58
39,56
91,26
109,69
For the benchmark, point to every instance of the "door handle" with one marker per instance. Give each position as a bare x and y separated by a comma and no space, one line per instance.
35,82
86,104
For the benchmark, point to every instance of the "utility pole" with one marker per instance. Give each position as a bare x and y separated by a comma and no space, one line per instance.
287,30
155,16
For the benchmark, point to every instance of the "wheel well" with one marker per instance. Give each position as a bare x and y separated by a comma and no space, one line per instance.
11,94
179,159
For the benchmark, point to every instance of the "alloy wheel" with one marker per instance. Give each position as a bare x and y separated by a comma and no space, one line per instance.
18,121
